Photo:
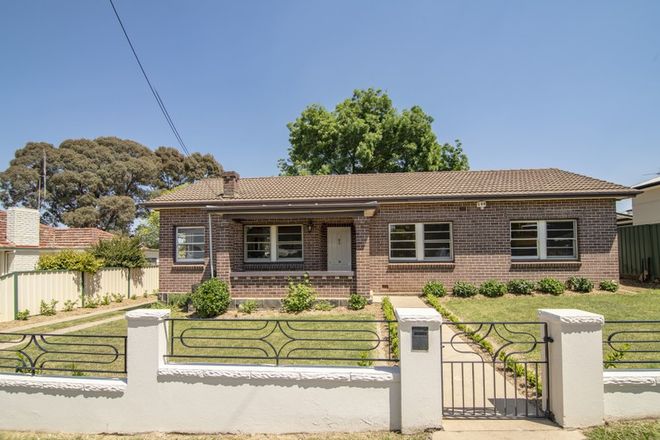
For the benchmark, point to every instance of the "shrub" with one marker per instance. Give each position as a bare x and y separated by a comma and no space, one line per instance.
23,315
392,327
117,297
356,301
492,288
323,306
464,290
434,288
211,298
609,286
69,260
520,287
91,302
248,306
301,296
551,286
47,309
70,305
133,297
580,284
178,300
120,252
105,300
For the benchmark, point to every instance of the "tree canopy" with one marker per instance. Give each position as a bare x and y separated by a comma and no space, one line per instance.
98,182
366,134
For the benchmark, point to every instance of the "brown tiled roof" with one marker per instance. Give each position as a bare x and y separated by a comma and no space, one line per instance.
529,183
58,238
70,238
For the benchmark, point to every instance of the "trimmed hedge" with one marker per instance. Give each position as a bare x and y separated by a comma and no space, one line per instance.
211,298
580,284
609,286
392,327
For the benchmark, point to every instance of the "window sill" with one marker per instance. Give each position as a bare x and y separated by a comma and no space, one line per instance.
188,266
421,263
289,273
546,263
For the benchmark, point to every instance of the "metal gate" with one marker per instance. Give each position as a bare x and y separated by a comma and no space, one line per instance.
495,369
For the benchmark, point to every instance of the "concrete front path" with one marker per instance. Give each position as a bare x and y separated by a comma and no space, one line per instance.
504,430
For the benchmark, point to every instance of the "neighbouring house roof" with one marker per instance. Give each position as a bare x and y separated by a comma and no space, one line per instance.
57,238
529,183
623,219
648,183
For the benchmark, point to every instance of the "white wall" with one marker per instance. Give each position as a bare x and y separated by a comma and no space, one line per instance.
23,259
23,226
632,394
646,207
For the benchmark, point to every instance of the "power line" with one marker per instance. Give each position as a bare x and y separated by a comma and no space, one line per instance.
154,92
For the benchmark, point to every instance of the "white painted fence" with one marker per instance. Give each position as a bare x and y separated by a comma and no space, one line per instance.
25,290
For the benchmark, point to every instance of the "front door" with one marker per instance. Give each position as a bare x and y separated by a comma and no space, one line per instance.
339,248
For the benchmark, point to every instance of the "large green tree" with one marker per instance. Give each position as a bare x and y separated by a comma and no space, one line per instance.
99,182
366,134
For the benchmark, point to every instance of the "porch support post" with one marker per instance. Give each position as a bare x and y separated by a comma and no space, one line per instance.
575,364
421,369
222,246
362,258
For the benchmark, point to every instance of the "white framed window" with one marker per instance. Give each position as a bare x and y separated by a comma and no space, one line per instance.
190,243
272,243
544,240
420,242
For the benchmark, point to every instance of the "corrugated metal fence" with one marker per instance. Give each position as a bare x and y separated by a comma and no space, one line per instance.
639,251
25,290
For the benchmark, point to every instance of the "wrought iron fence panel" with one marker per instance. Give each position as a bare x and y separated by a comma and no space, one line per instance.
79,355
494,369
631,344
278,341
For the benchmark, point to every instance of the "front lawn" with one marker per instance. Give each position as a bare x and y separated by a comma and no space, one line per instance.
336,337
641,305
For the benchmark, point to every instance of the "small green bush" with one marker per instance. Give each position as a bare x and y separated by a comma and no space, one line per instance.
323,306
301,296
117,297
179,301
609,285
356,301
248,306
105,300
211,298
392,327
551,286
520,287
23,315
580,284
464,290
70,260
91,302
435,288
69,305
48,309
492,288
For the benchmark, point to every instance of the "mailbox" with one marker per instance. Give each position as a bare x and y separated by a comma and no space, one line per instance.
420,338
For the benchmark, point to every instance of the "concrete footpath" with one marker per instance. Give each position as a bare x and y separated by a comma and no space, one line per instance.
472,429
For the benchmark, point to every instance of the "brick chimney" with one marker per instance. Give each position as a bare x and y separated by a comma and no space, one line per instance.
23,226
230,184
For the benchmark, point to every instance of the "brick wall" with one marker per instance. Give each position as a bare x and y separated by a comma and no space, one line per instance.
480,241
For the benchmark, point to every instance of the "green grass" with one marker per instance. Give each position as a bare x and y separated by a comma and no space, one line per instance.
641,306
326,338
637,430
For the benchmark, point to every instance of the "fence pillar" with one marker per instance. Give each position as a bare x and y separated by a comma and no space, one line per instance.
575,364
421,368
147,344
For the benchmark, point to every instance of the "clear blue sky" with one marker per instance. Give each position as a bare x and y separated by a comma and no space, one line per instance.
566,84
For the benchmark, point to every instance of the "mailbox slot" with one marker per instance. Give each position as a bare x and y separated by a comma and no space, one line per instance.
420,338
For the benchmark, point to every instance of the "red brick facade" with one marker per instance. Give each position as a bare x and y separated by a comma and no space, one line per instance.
481,248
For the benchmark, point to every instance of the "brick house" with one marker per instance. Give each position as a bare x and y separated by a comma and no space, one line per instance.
387,233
